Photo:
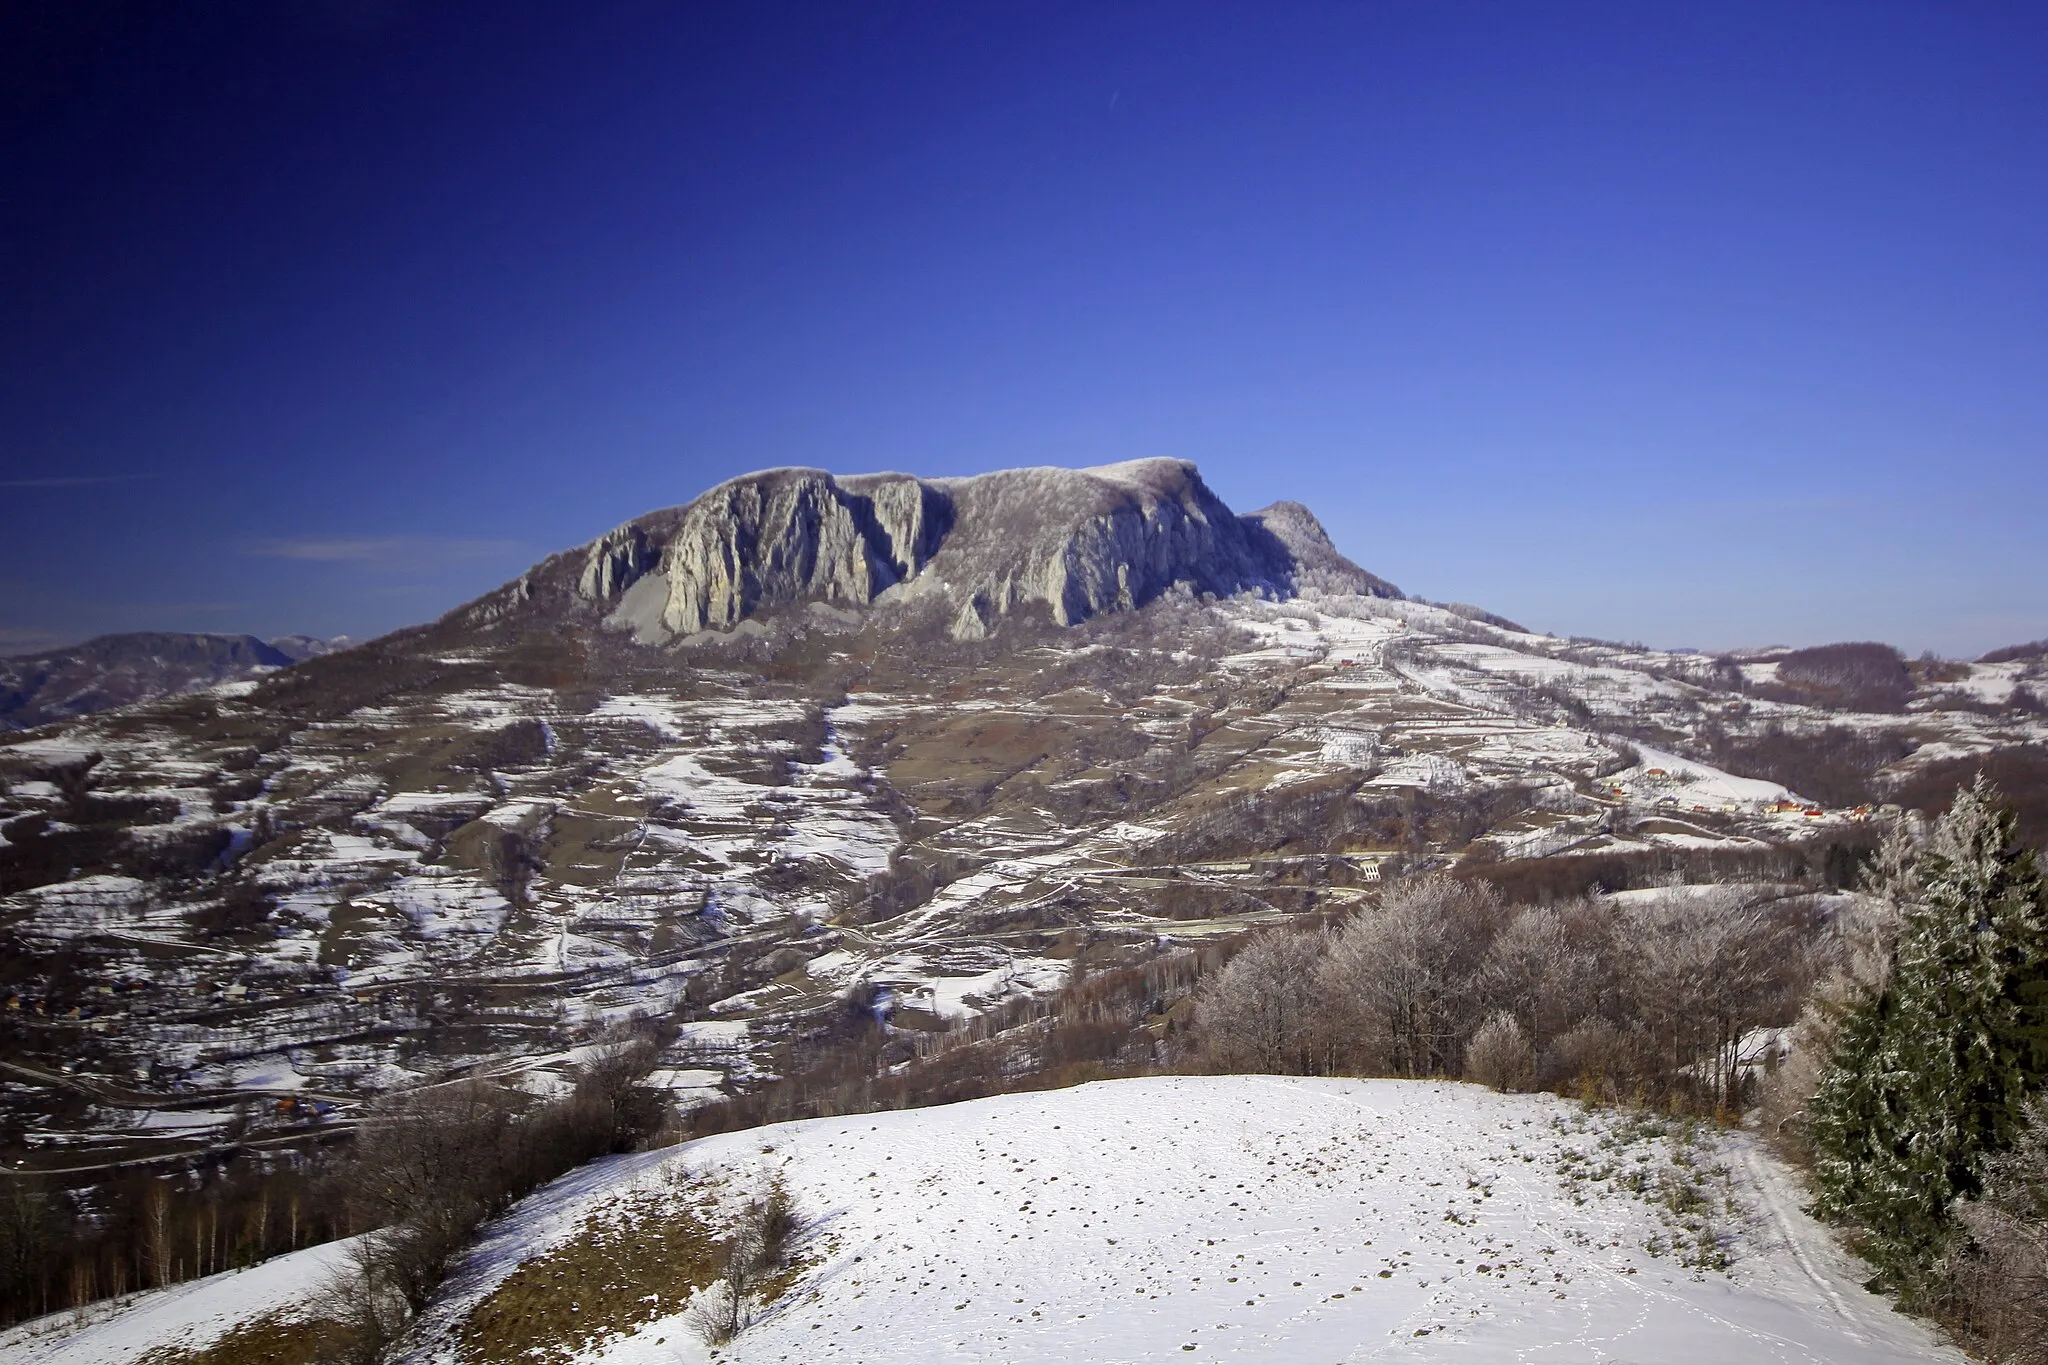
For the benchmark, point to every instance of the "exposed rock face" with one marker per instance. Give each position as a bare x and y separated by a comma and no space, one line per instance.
1317,563
765,541
117,670
1074,542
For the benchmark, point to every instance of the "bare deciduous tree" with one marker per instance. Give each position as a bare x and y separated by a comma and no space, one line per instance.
1706,965
1263,1011
2001,1276
156,1231
1397,977
431,1165
1550,967
756,1248
611,1078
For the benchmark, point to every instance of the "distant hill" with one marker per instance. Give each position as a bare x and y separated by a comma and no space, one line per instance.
2033,649
119,670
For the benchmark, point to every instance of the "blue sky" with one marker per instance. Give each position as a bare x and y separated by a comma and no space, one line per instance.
1703,325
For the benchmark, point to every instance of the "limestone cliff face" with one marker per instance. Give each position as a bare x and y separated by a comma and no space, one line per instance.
1076,542
760,542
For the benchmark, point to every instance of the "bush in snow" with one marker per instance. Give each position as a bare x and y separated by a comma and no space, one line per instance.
755,1253
1499,1054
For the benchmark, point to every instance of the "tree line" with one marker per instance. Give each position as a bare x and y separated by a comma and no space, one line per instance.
1644,998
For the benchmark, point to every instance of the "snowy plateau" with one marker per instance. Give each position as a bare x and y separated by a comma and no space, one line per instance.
1175,1218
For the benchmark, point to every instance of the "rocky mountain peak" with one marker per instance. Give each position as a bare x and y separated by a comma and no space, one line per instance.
1070,542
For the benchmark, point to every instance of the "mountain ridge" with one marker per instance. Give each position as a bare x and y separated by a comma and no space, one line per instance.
121,669
1070,543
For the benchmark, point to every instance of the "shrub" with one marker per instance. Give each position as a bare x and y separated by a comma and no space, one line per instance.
1593,1059
754,1254
2000,1279
1499,1054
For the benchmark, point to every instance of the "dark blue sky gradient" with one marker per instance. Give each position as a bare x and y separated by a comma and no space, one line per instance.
1706,325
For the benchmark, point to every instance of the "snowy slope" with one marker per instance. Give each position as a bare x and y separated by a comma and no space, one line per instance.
1250,1218
189,1316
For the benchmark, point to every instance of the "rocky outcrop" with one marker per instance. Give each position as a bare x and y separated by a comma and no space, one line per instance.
1317,563
761,542
1072,542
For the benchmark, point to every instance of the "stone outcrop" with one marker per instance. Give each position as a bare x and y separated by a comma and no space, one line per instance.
1073,542
1317,563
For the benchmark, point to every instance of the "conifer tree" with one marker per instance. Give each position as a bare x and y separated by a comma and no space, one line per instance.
1932,1076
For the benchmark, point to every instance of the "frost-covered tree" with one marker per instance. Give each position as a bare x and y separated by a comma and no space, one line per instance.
1399,979
2001,1277
1704,965
1263,1012
1932,1075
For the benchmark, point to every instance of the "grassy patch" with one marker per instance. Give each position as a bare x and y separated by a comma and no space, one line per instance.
631,1263
273,1339
1669,1164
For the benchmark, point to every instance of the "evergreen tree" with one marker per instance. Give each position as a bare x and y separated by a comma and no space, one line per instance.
1933,1075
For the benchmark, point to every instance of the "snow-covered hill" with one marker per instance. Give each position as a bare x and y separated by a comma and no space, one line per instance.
185,1317
1241,1218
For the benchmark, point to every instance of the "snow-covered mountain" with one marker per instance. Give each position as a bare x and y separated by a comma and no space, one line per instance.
813,744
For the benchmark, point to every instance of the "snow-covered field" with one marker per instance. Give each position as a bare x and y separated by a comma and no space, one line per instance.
1278,1219
1248,1218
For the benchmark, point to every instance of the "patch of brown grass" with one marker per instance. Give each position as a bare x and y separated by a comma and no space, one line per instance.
630,1263
273,1339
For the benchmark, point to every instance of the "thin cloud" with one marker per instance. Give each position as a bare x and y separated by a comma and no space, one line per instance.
28,640
383,552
